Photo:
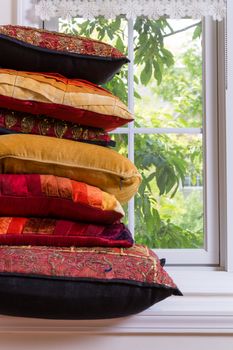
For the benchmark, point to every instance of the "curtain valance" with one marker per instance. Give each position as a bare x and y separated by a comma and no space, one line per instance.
153,9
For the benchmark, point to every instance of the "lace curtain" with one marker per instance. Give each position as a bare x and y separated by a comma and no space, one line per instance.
153,9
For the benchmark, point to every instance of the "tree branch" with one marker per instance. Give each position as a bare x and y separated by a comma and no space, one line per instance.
175,32
182,30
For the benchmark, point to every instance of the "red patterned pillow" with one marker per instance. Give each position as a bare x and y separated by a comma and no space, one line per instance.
62,233
81,283
21,122
70,55
37,195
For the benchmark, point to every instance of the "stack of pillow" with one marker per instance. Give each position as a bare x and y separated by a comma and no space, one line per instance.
64,252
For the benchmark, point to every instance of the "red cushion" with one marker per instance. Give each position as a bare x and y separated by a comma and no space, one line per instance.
21,122
57,197
62,233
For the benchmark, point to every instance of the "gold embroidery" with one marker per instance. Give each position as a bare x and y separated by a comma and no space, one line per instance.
60,41
27,124
76,132
44,126
10,120
60,128
85,134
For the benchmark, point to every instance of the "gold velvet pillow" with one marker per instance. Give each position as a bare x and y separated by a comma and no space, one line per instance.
94,165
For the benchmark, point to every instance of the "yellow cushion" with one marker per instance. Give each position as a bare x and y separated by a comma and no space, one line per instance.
94,165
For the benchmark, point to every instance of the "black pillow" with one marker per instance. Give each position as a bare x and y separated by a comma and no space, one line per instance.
81,283
37,50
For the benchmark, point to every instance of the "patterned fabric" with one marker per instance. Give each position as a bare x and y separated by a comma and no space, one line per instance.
62,233
76,101
94,165
137,264
37,195
42,125
60,42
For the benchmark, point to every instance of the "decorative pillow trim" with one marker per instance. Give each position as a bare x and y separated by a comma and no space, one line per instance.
18,122
138,263
59,42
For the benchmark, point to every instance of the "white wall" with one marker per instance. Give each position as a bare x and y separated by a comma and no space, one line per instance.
8,11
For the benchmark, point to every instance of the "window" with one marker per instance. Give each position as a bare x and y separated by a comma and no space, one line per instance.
173,140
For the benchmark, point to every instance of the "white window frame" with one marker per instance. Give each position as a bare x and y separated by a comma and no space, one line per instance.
207,304
209,254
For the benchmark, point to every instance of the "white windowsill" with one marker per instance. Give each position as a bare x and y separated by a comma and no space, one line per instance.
206,307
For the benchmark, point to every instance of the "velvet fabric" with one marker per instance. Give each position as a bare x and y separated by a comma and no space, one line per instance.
81,283
70,55
75,101
94,165
21,122
62,233
51,196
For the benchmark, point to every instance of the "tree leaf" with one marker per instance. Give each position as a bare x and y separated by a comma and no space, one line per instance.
146,73
197,32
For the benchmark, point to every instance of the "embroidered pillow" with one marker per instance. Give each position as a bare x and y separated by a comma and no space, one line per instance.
81,283
50,196
97,166
62,233
70,55
19,122
75,101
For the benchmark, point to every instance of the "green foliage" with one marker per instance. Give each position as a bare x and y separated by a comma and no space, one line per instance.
165,216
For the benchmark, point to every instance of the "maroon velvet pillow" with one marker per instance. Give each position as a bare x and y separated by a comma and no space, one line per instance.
22,122
62,233
51,196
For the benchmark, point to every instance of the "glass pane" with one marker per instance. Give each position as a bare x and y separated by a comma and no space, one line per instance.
121,143
168,73
113,32
169,204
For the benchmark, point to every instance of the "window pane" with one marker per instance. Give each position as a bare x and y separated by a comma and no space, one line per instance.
121,143
169,205
167,94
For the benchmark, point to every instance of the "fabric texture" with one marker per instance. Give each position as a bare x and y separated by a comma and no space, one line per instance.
20,122
76,101
50,196
62,233
81,283
70,55
94,165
